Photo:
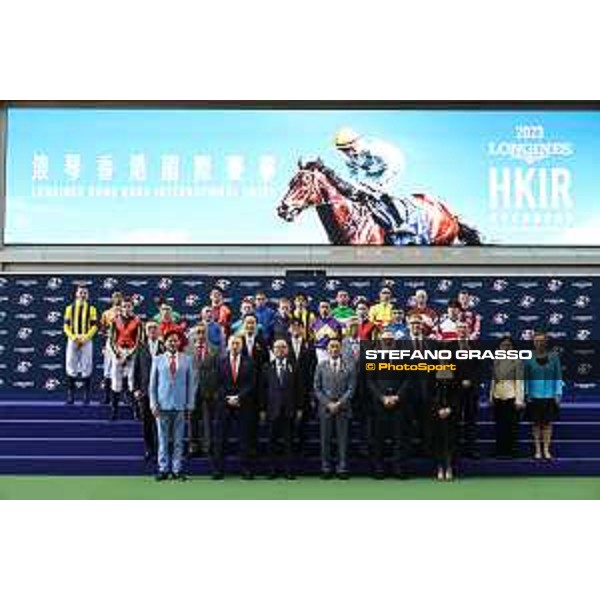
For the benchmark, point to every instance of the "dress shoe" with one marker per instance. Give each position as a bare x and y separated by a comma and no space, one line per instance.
343,476
149,457
179,477
402,475
290,476
327,475
161,476
380,475
247,476
273,475
218,476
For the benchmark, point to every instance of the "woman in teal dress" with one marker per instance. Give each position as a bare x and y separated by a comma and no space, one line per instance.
543,391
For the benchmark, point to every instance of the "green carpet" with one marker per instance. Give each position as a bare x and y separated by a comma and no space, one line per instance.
309,488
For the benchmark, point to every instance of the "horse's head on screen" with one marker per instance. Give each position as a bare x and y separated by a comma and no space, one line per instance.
304,190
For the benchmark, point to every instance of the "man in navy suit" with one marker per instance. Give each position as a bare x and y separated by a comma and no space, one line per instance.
280,407
171,400
236,403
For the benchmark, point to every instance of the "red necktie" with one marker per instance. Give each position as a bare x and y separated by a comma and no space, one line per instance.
201,351
234,371
173,365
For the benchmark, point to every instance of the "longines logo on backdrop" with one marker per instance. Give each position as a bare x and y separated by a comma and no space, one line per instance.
444,285
51,367
472,285
277,284
527,285
3,316
3,282
192,300
192,283
360,284
27,282
51,384
499,285
527,301
25,316
414,284
500,318
23,384
528,318
222,284
52,350
582,301
582,318
24,366
4,298
554,301
24,333
305,284
137,282
581,285
54,299
52,332
583,334
555,318
250,284
499,301
53,316
332,284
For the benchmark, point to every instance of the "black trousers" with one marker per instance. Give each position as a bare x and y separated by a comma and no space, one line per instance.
506,422
469,412
420,406
280,437
227,418
395,424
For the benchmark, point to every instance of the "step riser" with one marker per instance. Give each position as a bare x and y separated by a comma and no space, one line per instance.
43,466
135,447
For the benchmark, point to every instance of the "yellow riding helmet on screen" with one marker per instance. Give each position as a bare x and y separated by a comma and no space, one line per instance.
346,137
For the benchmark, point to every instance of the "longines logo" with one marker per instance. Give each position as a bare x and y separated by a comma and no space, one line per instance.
51,332
528,318
306,284
4,298
582,318
137,282
444,285
23,366
472,285
54,299
582,285
137,299
51,367
24,333
192,283
584,369
585,386
27,282
24,350
582,335
554,301
25,316
414,284
250,284
3,282
499,334
332,284
3,315
360,284
499,301
277,284
527,285
23,384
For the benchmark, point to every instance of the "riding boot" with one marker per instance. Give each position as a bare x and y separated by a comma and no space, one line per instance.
70,390
87,384
107,391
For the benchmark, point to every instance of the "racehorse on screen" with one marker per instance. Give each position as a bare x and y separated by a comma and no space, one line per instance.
350,214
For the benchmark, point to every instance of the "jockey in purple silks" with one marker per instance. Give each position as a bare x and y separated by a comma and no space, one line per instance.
373,166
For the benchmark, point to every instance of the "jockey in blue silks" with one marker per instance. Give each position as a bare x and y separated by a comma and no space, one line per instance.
374,165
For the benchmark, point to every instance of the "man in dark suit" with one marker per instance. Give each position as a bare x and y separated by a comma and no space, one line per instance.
280,407
235,403
417,388
391,414
254,347
302,356
469,376
142,367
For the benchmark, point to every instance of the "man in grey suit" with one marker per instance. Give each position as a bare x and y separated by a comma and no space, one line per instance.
335,381
171,400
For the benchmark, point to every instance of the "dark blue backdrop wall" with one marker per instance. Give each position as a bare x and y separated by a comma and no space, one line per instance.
31,308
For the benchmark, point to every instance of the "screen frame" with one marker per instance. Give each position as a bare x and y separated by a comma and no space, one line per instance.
428,105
